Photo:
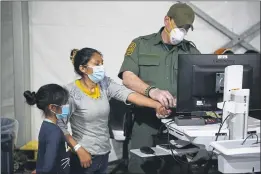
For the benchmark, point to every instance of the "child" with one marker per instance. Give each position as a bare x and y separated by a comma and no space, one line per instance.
52,156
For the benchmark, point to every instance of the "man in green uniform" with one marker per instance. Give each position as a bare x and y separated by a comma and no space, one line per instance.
150,68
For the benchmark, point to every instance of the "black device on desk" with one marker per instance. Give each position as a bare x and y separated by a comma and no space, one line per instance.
147,150
201,82
196,120
189,121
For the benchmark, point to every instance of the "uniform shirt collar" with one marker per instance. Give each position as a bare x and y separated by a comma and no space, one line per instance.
158,40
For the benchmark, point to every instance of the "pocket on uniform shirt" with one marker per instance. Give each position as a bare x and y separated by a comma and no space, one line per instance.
149,66
149,59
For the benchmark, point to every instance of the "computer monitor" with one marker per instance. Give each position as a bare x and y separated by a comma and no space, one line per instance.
201,80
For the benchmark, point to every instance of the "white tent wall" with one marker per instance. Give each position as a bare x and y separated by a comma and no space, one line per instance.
7,75
0,69
58,27
15,71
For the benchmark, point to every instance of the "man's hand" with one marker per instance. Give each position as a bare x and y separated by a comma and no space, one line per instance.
164,97
162,112
85,157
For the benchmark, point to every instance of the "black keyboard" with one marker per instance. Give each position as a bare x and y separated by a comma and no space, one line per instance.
195,120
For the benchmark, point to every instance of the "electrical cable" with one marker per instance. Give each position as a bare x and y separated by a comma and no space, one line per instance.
167,126
218,133
159,157
250,136
170,145
256,143
171,148
164,124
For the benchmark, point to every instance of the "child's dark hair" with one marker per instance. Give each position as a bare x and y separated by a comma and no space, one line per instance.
46,95
82,57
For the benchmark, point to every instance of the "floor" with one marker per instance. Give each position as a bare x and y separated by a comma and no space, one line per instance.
111,167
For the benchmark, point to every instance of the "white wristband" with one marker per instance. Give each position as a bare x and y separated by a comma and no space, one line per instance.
76,147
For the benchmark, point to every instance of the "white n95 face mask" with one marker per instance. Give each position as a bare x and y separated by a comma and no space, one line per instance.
177,35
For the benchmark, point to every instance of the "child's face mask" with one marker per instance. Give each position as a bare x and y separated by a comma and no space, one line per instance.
65,112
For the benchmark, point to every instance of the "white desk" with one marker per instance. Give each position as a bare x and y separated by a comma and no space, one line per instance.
158,152
207,133
203,135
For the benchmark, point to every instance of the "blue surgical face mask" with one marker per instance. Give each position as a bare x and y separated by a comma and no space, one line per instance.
98,74
65,112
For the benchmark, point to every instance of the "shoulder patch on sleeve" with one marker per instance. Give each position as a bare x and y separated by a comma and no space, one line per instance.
130,49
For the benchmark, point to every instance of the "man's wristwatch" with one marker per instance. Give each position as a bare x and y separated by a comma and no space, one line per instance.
147,91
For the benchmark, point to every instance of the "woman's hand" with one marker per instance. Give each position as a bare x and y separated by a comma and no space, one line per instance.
162,112
34,172
85,157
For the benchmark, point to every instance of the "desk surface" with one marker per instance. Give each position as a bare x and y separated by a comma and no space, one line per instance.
208,130
158,152
195,131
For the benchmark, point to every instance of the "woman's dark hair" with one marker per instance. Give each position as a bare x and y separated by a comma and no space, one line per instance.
82,57
46,95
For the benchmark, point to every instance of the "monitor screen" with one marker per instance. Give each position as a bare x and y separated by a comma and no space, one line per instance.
201,80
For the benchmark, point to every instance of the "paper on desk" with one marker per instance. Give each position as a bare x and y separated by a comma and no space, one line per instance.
212,114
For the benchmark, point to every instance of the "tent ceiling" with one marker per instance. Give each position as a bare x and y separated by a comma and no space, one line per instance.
235,39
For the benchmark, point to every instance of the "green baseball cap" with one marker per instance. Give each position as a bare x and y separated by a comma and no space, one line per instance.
182,14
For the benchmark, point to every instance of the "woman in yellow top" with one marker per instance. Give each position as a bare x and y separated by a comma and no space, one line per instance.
89,111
